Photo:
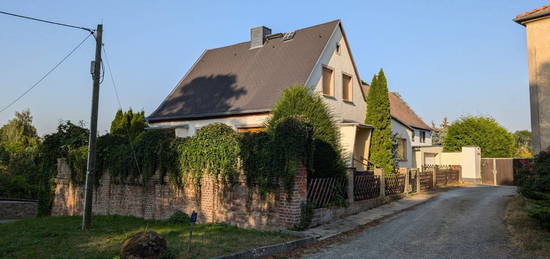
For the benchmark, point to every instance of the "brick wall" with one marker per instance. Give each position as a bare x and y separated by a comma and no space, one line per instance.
158,199
18,209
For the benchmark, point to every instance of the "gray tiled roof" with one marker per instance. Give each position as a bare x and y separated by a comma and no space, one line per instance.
239,80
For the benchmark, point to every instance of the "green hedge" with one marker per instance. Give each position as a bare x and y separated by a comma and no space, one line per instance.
534,184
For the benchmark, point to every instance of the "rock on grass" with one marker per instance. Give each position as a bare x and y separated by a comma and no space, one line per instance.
143,244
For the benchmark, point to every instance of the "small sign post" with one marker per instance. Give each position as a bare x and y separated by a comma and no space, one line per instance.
192,223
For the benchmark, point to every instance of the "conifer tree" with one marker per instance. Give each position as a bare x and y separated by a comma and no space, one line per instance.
378,116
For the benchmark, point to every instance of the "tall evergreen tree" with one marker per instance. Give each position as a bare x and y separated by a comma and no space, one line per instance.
378,116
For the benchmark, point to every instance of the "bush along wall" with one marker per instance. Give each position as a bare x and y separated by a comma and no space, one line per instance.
534,182
266,158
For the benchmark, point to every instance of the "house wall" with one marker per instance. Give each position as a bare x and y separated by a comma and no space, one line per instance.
406,133
417,143
362,146
189,128
538,51
347,140
340,63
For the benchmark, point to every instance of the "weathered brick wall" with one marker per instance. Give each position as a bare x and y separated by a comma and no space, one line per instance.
158,199
18,209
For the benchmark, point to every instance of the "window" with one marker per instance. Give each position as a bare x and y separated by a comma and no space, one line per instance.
423,137
346,88
401,149
338,49
413,133
328,81
251,129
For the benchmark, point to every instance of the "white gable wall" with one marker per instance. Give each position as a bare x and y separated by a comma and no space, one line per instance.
406,133
340,63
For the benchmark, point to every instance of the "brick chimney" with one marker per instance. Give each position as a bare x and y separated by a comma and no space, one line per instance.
257,36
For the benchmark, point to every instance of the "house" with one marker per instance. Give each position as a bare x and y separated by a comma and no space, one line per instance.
411,131
537,24
238,84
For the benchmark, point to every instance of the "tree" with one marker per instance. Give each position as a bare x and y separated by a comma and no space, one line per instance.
299,101
128,124
484,132
440,132
19,131
524,144
19,172
378,116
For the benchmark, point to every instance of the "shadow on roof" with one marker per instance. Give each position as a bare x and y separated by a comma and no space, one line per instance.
203,95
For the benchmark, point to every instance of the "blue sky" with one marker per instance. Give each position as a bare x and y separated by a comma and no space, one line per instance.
446,58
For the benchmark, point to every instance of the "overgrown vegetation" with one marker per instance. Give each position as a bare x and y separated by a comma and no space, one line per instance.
61,237
524,144
301,130
534,182
526,233
299,102
484,132
378,116
28,163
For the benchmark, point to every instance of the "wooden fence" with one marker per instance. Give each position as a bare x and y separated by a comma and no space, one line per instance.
323,192
395,184
326,192
426,181
366,186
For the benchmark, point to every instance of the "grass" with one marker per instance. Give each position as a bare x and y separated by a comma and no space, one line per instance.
61,237
526,231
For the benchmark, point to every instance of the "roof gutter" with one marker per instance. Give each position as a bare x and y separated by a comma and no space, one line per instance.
529,18
200,116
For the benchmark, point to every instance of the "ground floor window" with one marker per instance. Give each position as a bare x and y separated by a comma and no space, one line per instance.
401,149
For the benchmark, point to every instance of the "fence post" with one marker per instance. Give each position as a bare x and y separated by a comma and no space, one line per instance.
460,174
434,178
380,172
495,172
417,180
350,178
405,171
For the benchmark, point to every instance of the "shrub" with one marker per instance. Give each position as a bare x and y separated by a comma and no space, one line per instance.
269,157
534,183
534,178
299,101
178,217
484,132
214,150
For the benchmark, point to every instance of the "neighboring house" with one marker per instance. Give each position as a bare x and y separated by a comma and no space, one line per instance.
411,130
537,24
238,84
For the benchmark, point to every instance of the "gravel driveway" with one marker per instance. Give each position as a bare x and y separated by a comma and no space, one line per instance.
460,223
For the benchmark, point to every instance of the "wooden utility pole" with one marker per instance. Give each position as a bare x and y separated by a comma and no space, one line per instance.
91,169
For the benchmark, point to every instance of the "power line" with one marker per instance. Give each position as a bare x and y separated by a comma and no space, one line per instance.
121,108
46,21
47,74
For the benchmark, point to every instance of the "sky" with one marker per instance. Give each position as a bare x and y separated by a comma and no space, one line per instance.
446,58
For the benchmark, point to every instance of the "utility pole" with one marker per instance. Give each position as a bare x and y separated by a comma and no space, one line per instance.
91,169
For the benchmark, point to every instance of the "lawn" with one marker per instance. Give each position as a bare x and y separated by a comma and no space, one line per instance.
526,232
61,237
